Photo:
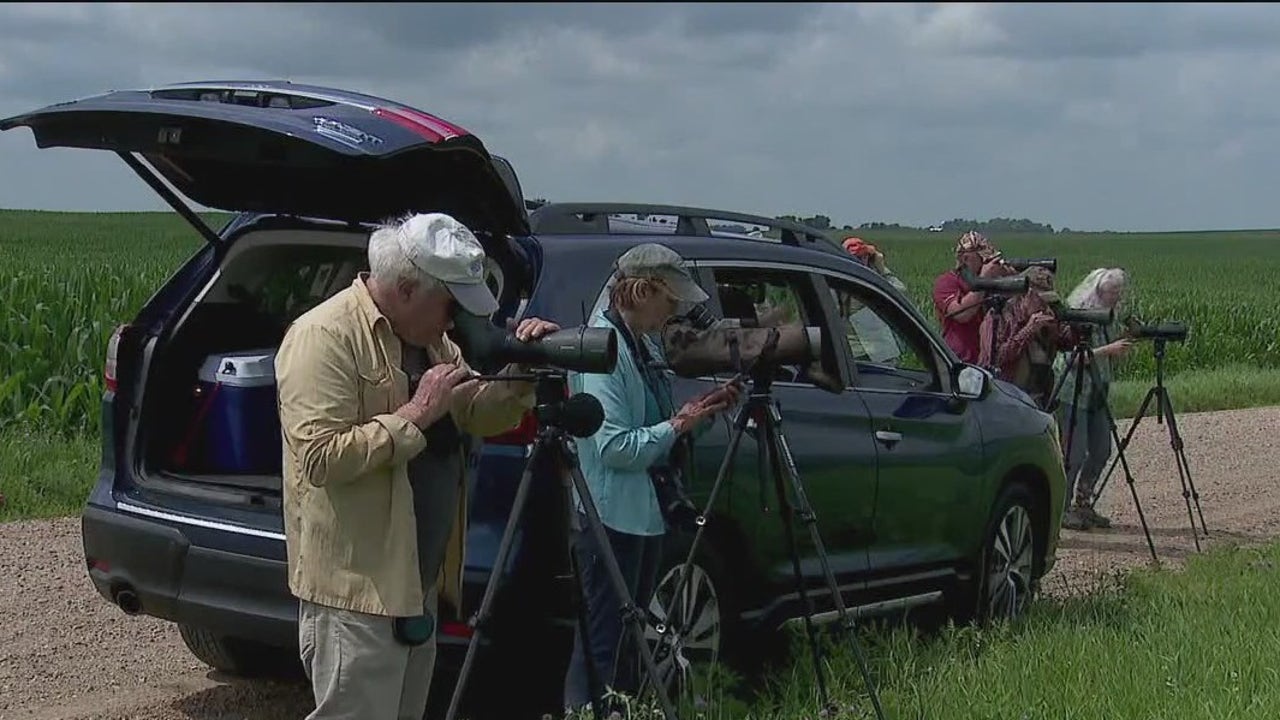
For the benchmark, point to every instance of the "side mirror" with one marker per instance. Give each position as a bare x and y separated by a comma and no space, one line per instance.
972,382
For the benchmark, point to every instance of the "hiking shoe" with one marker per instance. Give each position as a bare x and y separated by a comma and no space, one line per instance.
1073,519
1095,519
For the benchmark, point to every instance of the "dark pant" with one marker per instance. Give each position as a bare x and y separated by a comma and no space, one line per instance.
638,559
1089,453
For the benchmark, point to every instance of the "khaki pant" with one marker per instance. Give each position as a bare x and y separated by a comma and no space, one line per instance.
358,670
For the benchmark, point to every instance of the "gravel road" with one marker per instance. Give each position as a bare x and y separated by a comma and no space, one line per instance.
65,654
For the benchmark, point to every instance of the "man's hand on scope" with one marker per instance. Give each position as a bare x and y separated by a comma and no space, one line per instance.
534,328
430,400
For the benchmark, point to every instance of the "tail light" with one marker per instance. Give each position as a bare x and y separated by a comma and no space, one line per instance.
110,367
432,128
456,629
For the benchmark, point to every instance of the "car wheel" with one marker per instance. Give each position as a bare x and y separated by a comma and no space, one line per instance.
1006,581
699,613
238,656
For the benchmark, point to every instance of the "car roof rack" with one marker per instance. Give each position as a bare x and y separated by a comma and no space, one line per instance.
593,218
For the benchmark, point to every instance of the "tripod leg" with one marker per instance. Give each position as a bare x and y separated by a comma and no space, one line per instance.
593,673
1079,358
805,510
630,613
481,618
595,687
1124,462
1122,444
1051,405
1184,470
785,511
669,626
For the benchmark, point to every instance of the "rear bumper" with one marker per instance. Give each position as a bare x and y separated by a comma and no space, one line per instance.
173,579
156,567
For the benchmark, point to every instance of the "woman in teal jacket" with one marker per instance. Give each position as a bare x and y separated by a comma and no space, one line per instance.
640,427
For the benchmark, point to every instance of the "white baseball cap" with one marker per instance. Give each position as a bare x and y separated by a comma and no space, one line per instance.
447,250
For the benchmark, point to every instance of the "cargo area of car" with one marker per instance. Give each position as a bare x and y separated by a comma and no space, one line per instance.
209,406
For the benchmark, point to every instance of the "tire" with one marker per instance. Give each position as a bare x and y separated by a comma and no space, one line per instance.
1009,561
238,656
705,639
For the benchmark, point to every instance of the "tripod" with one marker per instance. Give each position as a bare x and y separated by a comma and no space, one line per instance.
761,407
1082,356
1164,410
555,426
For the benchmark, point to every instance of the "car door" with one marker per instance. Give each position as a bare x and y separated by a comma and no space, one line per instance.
929,447
825,432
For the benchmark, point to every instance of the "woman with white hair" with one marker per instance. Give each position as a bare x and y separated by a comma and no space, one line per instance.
1090,437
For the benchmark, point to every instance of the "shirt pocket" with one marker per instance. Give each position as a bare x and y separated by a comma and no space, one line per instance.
374,382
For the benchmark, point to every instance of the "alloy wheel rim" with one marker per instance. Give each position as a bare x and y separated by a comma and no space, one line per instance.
697,623
1010,568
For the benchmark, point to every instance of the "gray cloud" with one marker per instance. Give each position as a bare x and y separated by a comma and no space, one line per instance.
1139,116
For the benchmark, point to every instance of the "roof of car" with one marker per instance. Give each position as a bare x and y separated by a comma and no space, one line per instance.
697,233
589,249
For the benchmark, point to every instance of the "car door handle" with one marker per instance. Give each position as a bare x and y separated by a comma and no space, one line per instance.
888,438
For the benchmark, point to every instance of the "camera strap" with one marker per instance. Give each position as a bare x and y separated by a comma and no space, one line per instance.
640,353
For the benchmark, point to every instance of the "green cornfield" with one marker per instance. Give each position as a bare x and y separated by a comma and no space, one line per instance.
1222,284
67,279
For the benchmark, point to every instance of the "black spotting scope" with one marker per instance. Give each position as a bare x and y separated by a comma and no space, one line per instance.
1082,316
578,349
1012,285
1021,264
1170,330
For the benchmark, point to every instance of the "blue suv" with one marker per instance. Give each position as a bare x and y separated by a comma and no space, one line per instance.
933,483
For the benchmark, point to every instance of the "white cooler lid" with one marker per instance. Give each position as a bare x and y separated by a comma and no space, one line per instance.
249,368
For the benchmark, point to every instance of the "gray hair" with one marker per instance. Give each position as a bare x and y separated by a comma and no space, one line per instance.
1085,295
388,261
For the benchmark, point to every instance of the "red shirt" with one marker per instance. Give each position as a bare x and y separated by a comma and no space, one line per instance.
962,336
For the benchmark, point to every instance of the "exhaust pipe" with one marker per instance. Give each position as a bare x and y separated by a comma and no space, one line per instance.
128,601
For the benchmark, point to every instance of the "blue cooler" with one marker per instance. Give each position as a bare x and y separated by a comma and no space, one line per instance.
240,433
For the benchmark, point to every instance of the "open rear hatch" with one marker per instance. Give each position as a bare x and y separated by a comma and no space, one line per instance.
291,150
281,149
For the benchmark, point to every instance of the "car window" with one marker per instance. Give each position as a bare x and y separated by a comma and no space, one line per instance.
284,283
889,350
768,298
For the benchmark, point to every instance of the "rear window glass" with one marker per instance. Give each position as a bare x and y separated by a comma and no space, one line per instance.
283,282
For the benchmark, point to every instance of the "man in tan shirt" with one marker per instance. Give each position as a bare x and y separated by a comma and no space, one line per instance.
374,489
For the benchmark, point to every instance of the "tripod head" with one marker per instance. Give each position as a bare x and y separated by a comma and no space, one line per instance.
991,302
995,303
556,411
763,370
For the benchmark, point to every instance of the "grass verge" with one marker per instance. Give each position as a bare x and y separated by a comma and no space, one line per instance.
1198,643
1230,387
45,475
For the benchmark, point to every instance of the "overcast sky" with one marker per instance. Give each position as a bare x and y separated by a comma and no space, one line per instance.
1118,117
